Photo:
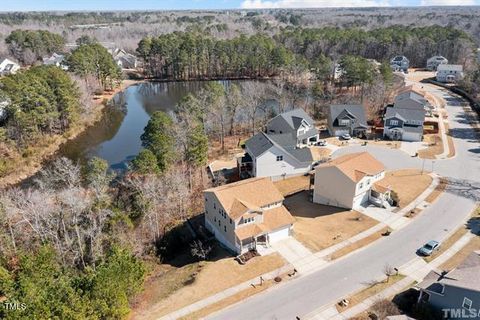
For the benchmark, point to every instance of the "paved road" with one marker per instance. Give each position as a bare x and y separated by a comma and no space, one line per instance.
328,285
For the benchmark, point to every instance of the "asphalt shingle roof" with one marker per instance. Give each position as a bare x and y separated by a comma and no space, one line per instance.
356,110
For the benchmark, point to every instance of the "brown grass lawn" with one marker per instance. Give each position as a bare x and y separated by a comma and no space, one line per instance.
242,295
319,153
169,288
386,143
439,189
371,290
357,245
232,147
318,226
457,258
292,185
435,147
451,145
408,184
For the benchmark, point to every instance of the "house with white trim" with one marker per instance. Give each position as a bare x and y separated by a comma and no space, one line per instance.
347,118
449,73
8,66
247,214
282,150
435,61
350,181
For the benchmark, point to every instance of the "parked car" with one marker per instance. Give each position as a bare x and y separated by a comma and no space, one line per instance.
322,143
428,248
346,136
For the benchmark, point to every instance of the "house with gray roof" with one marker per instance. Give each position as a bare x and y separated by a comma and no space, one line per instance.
400,63
298,124
55,60
457,290
435,61
282,150
347,118
403,124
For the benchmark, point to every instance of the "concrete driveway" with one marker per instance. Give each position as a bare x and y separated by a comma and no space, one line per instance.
328,285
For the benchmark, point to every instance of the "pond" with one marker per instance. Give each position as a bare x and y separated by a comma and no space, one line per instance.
116,137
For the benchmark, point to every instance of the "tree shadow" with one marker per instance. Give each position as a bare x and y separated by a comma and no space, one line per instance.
465,188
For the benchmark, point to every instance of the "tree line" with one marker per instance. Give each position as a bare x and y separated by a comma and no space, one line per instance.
192,55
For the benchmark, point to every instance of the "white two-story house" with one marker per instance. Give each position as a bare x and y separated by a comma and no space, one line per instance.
247,214
282,150
449,73
350,181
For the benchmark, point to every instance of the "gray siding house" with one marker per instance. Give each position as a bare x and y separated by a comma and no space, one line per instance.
400,63
457,290
435,61
282,150
449,73
403,124
343,118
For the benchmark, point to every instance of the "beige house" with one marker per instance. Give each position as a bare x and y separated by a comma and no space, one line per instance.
350,181
247,214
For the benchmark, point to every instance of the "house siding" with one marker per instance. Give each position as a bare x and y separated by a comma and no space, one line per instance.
333,188
267,165
452,298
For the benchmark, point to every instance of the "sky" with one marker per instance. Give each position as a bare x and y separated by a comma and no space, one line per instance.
76,5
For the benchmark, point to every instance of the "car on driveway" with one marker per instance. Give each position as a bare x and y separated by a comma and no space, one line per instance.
346,136
322,143
428,248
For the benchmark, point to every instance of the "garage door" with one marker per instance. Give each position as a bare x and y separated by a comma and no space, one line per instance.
411,136
278,235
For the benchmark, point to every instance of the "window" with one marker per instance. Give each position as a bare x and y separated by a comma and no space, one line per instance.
214,206
231,221
344,122
214,219
225,228
219,223
361,185
279,158
467,303
394,122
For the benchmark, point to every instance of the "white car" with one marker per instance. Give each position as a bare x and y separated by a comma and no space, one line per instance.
346,136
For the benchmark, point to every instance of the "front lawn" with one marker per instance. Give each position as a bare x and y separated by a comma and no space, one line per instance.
170,288
318,226
407,183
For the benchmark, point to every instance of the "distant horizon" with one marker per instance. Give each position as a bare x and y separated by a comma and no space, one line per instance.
216,5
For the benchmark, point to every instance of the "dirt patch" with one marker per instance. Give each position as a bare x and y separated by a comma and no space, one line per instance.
451,144
435,147
374,288
318,226
319,153
233,146
293,185
386,143
179,287
439,189
357,245
408,184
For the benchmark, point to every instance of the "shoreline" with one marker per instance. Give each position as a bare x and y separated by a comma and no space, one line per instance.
26,167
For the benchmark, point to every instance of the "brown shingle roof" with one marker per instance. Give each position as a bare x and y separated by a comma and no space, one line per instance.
273,219
250,194
356,165
381,186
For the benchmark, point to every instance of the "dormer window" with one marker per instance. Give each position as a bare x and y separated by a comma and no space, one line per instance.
279,158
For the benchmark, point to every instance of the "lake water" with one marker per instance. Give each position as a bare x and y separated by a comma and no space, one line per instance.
116,138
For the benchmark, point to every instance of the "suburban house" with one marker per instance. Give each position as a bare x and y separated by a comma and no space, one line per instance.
458,289
124,59
7,66
55,60
399,63
282,150
404,120
403,124
347,118
435,61
297,123
247,214
350,181
449,73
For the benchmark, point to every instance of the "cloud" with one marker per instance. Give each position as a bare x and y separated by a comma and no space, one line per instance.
447,2
262,4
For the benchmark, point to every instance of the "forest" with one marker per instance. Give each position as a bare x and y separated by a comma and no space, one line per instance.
192,55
